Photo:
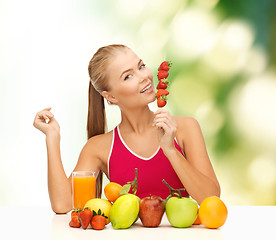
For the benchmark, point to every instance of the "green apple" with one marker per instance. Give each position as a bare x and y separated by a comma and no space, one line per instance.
181,211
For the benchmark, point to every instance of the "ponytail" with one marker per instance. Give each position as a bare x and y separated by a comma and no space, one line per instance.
96,119
96,124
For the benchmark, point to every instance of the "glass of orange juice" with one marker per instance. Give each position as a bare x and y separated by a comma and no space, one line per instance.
83,184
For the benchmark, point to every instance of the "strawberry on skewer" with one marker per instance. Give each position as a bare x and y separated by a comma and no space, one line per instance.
162,92
166,65
161,102
162,97
162,75
163,84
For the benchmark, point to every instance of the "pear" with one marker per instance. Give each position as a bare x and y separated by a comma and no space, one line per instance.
124,211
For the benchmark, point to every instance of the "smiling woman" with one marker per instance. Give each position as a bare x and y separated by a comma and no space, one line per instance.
161,146
133,76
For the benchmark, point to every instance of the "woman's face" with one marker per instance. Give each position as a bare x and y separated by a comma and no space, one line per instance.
130,81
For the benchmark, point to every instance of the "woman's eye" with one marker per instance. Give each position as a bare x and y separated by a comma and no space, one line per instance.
128,76
142,66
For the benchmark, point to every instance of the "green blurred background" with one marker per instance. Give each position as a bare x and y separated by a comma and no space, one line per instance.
223,74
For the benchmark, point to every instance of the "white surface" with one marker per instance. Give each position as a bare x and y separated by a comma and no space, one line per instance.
243,222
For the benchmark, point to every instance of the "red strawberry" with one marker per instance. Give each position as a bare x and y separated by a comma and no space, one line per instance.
162,74
98,222
163,84
165,66
85,217
75,212
162,92
161,102
75,222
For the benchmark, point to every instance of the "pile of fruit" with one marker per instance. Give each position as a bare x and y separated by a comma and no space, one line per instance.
162,93
123,209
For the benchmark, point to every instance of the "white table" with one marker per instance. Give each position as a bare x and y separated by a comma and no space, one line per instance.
243,222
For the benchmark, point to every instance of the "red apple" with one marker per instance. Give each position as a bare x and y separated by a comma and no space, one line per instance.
151,211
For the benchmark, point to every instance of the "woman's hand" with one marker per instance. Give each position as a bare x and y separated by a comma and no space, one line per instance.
46,123
167,127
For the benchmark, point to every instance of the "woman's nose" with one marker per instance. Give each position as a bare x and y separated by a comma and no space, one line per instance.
143,75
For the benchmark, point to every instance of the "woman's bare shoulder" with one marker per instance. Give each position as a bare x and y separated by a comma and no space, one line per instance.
187,128
95,152
186,121
101,141
98,146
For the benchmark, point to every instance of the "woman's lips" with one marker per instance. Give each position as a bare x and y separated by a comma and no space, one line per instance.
147,89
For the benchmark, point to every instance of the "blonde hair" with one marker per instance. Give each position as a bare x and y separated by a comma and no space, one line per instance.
96,119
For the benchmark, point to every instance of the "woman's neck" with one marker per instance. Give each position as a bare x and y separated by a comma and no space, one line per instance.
137,121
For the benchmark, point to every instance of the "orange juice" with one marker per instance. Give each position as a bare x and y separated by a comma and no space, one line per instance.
83,188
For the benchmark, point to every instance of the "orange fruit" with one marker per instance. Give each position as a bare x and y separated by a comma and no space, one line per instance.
212,212
112,191
197,221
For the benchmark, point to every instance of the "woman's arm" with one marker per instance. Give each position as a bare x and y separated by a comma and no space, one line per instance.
199,183
195,171
59,186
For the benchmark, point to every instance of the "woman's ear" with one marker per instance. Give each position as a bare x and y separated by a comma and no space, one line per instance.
109,97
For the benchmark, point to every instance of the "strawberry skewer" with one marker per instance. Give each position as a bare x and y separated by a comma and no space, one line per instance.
162,75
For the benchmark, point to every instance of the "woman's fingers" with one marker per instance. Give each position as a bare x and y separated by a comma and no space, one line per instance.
49,115
160,119
164,117
163,125
45,112
45,121
164,120
170,123
44,115
161,110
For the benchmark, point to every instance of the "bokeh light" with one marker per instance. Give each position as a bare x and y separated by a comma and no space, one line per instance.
254,112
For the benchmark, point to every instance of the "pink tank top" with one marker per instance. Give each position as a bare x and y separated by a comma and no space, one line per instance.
122,162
